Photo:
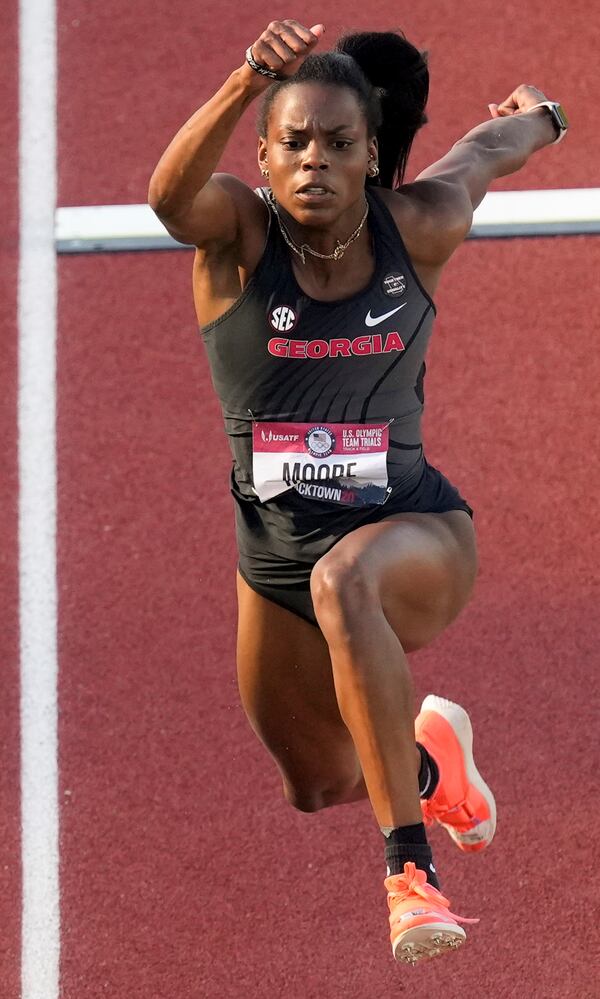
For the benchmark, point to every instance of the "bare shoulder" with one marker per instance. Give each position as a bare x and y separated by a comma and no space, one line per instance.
223,267
433,218
250,205
252,217
226,215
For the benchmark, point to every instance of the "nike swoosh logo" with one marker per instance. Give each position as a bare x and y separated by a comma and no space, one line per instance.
375,320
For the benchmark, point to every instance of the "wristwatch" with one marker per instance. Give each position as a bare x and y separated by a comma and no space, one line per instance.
559,118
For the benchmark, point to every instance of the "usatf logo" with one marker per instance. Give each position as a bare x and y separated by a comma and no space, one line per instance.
394,285
283,319
270,436
320,442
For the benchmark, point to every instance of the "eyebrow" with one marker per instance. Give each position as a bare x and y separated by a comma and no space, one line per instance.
330,131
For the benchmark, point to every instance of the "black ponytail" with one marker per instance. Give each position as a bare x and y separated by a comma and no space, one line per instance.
391,80
399,72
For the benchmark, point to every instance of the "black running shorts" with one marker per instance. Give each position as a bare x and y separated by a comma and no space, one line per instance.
280,541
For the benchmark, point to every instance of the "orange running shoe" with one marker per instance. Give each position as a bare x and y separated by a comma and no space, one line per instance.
420,918
462,802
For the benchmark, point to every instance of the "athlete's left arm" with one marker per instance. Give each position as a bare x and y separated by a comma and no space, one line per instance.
446,193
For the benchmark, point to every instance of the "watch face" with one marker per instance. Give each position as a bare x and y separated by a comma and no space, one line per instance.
561,117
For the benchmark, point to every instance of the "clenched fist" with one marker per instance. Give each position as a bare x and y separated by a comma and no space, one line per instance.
521,100
284,46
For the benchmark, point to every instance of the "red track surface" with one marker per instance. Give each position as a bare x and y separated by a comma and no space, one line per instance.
183,874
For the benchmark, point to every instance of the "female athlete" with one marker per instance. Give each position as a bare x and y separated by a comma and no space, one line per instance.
315,299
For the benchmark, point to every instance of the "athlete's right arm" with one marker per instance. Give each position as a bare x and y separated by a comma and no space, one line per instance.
193,204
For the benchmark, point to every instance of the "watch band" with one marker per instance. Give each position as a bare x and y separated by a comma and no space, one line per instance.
258,68
558,116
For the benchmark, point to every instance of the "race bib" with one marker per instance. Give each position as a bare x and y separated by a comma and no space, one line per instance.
335,462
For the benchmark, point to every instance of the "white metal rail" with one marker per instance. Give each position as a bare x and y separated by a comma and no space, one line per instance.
560,212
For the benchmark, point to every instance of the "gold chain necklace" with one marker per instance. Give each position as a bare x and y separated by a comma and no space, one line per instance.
301,251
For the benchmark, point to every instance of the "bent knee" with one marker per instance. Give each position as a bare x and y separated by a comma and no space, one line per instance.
342,588
419,593
315,798
303,799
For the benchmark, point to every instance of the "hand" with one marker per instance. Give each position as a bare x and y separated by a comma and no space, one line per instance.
284,45
521,100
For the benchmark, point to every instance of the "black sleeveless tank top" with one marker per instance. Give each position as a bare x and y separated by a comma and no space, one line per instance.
279,355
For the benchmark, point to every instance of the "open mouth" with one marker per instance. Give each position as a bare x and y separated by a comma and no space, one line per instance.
313,191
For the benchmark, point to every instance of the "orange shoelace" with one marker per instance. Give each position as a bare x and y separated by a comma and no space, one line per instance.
462,813
414,882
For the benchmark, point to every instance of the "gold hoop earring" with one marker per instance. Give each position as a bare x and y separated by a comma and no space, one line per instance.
264,172
374,170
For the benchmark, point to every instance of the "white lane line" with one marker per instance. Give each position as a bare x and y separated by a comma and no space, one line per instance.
90,228
37,500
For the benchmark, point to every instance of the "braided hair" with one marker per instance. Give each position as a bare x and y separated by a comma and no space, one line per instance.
391,81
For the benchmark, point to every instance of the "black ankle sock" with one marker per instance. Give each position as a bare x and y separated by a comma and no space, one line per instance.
409,843
403,835
429,773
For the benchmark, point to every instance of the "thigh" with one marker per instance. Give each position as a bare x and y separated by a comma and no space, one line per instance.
420,567
286,687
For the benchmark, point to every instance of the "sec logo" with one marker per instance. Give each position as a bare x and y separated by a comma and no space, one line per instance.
283,319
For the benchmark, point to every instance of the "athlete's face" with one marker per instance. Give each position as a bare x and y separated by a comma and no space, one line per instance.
317,151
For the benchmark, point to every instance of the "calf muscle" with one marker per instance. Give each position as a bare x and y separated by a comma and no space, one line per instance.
286,687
